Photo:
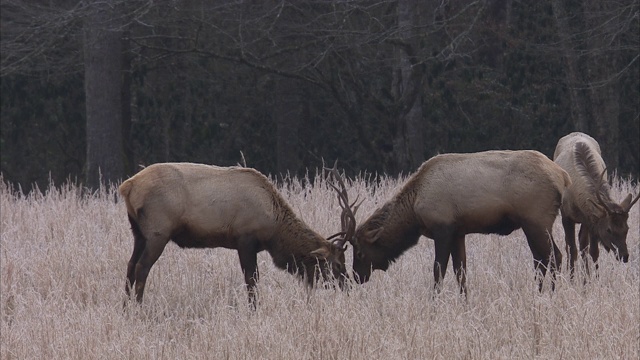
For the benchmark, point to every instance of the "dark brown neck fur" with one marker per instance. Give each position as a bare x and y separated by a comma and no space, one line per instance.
292,245
587,167
401,227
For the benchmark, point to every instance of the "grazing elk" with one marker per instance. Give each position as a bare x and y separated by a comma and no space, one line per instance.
202,206
588,202
452,195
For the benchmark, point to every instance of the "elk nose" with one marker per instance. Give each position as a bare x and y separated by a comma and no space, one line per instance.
624,257
361,279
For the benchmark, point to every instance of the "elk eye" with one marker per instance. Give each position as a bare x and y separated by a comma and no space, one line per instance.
608,231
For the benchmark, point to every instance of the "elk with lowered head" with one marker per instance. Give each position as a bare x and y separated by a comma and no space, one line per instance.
588,201
203,206
452,195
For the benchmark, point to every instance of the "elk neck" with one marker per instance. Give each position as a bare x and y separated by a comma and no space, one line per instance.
401,227
293,243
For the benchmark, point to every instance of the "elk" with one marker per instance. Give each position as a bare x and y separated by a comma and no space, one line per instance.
588,202
203,206
452,195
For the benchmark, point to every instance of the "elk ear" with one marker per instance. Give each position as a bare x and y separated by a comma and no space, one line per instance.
322,252
373,235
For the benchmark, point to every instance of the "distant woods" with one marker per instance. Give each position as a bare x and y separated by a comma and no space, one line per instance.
92,89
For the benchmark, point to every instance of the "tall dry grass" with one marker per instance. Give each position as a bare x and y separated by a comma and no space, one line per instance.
64,256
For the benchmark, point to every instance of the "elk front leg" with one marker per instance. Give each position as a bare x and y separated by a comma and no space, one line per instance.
594,251
443,251
248,253
588,245
546,255
570,243
459,258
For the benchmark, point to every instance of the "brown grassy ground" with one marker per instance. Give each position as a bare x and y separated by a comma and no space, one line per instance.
64,256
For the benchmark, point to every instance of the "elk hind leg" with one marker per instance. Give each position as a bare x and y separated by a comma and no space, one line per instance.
139,243
155,245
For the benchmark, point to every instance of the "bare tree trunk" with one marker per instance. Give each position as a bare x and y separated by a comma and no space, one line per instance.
408,143
103,94
577,97
606,111
603,84
287,110
127,138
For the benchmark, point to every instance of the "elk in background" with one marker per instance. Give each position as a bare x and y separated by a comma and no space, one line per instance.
452,195
202,206
588,202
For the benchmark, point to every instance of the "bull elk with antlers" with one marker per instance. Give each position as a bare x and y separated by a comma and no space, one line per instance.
202,206
452,195
588,201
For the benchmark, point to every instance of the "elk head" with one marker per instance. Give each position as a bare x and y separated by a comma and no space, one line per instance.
610,226
347,217
365,257
369,251
331,260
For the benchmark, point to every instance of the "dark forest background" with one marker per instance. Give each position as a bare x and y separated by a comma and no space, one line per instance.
92,89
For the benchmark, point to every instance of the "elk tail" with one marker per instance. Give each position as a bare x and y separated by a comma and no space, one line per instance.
125,191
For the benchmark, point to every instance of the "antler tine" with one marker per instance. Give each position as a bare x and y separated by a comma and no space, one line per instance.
356,207
633,202
347,217
335,235
336,175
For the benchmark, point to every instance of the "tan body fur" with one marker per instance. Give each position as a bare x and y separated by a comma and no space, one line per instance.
452,195
200,206
602,221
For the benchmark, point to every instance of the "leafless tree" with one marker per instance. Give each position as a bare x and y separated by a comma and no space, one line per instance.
337,47
592,34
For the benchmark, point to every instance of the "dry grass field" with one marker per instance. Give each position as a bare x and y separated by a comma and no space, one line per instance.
63,257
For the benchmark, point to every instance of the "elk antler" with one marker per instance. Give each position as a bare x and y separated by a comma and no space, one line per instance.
599,187
631,203
348,216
